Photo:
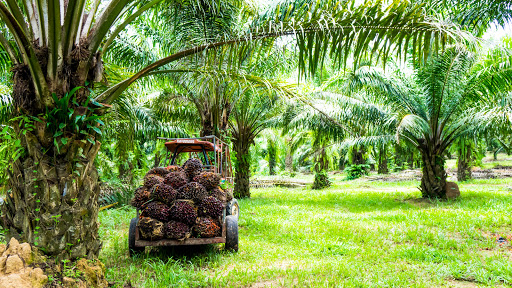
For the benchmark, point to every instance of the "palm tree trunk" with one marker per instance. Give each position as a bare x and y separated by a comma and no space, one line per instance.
358,155
322,163
288,162
242,168
342,160
125,172
411,160
272,161
399,161
53,202
224,121
215,125
158,159
288,159
207,126
433,180
383,161
123,165
341,164
464,163
207,129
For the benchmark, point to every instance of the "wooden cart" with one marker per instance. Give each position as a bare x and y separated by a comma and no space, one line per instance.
215,154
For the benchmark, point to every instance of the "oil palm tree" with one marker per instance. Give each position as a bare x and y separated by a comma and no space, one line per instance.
345,89
56,51
430,110
435,109
322,129
251,115
495,122
213,95
206,88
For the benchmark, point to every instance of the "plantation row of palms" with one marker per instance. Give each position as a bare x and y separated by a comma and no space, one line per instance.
456,96
86,78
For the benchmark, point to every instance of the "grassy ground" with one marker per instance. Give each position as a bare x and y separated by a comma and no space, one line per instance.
488,161
354,234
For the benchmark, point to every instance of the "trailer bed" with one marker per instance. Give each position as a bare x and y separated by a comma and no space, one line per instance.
171,242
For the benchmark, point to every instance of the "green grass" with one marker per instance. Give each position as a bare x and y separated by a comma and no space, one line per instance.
488,161
355,234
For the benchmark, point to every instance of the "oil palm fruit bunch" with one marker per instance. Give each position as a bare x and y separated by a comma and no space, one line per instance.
210,206
151,180
160,171
176,230
218,193
174,168
184,212
209,180
192,191
206,228
229,195
164,193
176,179
192,167
140,197
150,228
157,210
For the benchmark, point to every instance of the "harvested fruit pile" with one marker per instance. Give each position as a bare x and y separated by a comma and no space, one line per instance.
180,202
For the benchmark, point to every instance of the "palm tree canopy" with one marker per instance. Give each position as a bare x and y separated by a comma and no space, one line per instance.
475,15
434,107
80,33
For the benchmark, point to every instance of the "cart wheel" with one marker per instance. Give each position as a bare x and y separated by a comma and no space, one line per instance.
233,208
231,233
131,238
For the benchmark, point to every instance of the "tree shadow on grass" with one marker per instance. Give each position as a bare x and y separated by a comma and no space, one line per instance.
196,255
184,252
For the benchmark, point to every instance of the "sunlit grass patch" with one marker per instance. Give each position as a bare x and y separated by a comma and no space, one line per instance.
354,234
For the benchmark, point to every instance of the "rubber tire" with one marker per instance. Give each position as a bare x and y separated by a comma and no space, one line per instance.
233,209
131,239
231,233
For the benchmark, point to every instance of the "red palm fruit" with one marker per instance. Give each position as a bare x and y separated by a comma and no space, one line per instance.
176,179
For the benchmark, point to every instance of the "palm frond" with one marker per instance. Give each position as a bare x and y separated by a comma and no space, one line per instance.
371,140
412,125
328,28
477,15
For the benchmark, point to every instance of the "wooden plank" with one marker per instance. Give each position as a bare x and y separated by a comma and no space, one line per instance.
172,242
188,241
